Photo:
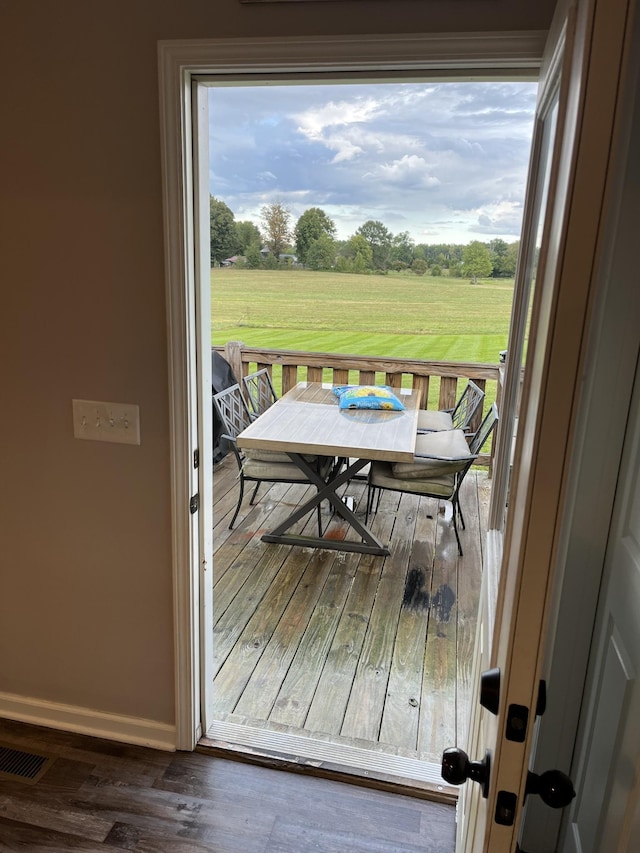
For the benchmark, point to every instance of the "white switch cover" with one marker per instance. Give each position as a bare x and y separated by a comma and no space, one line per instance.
95,421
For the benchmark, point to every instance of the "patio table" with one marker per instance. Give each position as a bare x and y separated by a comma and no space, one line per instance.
308,421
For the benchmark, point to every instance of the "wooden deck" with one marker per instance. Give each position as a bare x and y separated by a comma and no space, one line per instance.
367,658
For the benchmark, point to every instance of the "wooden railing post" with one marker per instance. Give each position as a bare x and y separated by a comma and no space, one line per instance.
289,377
233,354
421,386
448,392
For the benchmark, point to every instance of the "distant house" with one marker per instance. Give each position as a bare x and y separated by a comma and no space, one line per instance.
283,256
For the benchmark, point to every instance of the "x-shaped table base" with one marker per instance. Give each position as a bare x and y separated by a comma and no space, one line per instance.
370,543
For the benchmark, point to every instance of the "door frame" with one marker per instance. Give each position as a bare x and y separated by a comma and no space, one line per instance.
445,56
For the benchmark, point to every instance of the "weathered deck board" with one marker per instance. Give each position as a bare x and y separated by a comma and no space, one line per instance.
438,709
475,513
299,684
360,649
234,618
366,703
244,548
262,689
239,665
327,710
402,706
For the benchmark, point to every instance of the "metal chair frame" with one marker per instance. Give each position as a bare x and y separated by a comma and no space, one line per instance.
260,391
234,414
484,431
470,401
465,408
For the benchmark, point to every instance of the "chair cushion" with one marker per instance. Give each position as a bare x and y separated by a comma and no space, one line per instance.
272,456
447,445
287,471
368,397
428,419
382,476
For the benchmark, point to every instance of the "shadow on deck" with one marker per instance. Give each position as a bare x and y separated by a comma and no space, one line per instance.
342,660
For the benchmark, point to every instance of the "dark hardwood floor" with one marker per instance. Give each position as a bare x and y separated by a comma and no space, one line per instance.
98,795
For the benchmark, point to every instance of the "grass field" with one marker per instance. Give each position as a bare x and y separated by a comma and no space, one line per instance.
400,315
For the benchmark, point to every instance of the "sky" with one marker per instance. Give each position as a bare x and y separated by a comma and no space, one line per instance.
446,162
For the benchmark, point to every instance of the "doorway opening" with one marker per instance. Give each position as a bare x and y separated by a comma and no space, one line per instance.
346,662
545,440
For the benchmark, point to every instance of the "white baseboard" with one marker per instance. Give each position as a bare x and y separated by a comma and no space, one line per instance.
88,722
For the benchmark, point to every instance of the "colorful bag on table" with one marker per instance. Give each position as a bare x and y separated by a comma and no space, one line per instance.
368,397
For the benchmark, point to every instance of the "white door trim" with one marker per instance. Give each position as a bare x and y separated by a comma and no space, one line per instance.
175,122
512,55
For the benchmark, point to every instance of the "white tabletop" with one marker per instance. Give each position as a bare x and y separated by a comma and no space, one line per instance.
308,420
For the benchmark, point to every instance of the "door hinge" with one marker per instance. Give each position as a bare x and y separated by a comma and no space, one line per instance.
194,503
196,458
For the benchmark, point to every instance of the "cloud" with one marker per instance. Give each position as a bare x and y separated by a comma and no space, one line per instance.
409,170
504,218
435,159
315,120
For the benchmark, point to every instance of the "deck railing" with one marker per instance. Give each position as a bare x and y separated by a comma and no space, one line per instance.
438,383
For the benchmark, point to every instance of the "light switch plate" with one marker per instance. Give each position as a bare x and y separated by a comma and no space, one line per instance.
119,422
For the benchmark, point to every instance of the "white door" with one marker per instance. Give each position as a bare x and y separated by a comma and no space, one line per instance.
586,42
606,812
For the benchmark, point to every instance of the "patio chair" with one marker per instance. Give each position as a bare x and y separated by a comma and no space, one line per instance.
221,377
459,417
260,391
441,462
259,466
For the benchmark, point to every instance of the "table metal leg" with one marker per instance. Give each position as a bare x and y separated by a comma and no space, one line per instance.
327,490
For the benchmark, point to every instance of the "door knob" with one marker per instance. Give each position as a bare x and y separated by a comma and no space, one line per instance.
457,768
554,787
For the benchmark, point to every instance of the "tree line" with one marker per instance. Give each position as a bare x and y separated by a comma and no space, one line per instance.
372,248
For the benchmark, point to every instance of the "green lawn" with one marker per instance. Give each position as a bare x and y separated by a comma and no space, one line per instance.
401,315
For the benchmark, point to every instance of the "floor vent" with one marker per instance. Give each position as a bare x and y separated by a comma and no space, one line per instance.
20,766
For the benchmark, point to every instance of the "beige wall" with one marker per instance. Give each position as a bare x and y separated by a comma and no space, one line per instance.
86,589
